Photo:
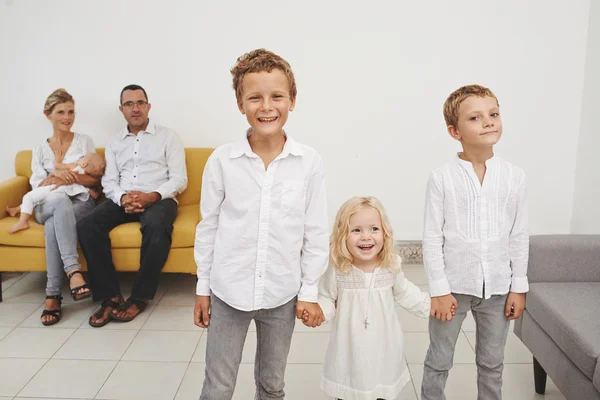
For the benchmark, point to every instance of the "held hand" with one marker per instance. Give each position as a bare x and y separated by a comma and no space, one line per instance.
314,311
443,308
202,311
515,304
66,175
140,201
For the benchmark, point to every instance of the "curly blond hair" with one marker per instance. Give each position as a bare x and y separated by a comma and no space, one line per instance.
452,104
340,257
59,96
260,60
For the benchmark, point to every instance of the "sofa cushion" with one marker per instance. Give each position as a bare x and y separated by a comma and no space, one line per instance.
32,237
123,236
567,311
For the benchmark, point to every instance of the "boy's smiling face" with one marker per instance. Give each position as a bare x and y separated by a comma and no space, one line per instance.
266,102
479,124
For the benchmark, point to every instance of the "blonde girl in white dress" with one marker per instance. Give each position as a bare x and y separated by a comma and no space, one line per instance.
359,293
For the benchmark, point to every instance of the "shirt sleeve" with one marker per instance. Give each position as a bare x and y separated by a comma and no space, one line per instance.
410,297
433,238
111,180
519,243
177,170
315,247
328,293
38,173
211,198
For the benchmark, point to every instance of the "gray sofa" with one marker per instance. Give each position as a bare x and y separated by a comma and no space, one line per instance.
561,322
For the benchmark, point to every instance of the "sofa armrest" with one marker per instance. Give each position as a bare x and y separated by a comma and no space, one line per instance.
564,258
12,192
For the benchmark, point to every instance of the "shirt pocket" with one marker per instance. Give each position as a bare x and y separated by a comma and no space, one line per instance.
292,198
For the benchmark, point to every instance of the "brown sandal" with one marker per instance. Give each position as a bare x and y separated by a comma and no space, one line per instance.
141,305
100,313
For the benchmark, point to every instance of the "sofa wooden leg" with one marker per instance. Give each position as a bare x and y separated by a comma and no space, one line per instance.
539,376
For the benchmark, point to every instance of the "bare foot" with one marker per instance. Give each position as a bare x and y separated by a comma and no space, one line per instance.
13,211
130,313
51,304
76,281
19,226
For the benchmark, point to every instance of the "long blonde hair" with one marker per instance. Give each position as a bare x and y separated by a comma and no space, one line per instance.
339,255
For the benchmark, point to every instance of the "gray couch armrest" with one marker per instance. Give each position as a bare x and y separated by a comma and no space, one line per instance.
564,258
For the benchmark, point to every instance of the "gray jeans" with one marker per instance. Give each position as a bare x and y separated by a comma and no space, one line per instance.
492,330
59,215
225,342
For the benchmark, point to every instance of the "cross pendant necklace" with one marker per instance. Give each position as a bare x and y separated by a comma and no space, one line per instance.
365,314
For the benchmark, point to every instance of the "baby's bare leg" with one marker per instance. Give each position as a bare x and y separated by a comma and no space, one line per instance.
22,224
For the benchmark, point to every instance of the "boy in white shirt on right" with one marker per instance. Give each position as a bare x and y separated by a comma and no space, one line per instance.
475,244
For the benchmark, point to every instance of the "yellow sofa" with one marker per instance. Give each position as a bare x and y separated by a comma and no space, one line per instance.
25,250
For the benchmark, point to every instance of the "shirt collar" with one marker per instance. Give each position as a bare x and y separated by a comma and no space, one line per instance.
242,147
467,164
151,129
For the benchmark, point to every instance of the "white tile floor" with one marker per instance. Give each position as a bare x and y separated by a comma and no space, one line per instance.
160,354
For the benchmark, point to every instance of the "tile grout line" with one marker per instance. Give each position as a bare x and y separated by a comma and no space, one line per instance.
30,379
128,346
116,364
196,349
183,378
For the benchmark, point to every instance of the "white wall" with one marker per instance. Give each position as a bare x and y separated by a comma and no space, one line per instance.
371,79
586,205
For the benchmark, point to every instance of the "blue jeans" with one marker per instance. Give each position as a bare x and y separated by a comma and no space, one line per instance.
492,330
225,342
59,214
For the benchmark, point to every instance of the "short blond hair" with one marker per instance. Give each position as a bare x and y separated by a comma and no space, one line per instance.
59,96
339,255
260,60
452,104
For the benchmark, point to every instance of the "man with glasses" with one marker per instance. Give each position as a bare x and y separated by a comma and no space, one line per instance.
145,170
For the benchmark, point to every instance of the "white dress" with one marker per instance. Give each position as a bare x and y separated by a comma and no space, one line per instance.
367,363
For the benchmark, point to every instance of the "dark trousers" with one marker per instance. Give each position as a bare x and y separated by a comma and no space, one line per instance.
157,227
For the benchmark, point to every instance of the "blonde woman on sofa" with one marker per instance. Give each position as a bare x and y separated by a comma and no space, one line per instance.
59,213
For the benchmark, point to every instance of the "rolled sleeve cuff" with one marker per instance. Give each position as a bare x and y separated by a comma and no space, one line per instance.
164,193
203,287
309,293
117,197
519,284
440,287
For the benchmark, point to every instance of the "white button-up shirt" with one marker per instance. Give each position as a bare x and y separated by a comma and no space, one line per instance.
263,238
151,161
476,234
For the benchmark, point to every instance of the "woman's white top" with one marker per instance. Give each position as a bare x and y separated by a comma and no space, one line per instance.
43,160
367,363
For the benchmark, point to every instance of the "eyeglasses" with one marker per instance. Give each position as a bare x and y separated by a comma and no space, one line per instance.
139,103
